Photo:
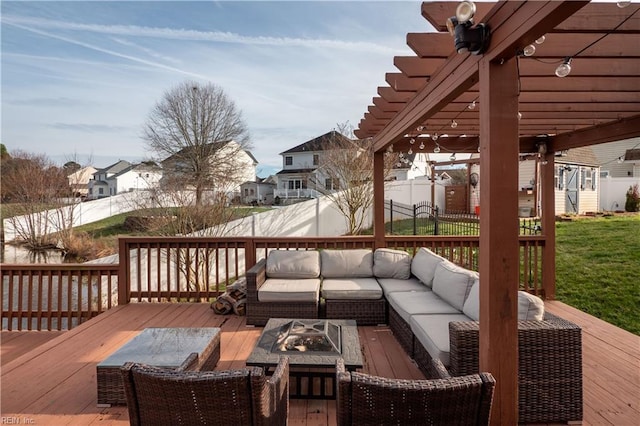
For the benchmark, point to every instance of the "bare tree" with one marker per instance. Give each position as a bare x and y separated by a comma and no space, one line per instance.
345,175
34,187
190,129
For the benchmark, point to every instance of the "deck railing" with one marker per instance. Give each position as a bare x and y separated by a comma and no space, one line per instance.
55,296
189,269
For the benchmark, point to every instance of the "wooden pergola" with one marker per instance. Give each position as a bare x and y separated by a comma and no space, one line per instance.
505,103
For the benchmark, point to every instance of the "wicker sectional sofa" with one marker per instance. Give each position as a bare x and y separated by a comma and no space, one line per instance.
432,307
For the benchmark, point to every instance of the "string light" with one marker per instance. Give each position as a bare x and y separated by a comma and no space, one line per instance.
434,136
421,145
412,141
529,50
472,105
436,149
623,3
564,68
454,124
410,151
420,128
519,115
453,157
540,40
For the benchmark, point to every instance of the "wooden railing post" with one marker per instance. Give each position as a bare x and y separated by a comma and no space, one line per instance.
123,272
249,253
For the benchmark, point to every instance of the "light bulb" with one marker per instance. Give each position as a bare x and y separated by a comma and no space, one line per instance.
623,3
399,164
519,115
465,11
453,157
401,155
436,149
412,141
564,68
410,151
529,50
454,124
541,40
421,145
478,148
620,160
472,105
434,136
420,128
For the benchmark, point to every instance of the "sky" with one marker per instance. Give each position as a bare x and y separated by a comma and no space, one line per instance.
79,78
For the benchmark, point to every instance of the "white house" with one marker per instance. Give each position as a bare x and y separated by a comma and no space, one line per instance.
619,169
230,166
302,170
79,180
259,191
124,177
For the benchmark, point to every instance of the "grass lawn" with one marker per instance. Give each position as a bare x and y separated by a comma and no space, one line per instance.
598,268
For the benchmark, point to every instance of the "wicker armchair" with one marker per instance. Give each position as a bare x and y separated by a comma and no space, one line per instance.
157,396
363,399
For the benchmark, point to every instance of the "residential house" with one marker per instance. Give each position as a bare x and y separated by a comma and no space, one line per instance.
230,166
79,181
99,186
124,177
259,191
302,171
619,170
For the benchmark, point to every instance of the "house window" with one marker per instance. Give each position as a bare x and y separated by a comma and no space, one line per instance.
558,177
297,184
246,192
288,160
330,184
251,191
100,191
316,159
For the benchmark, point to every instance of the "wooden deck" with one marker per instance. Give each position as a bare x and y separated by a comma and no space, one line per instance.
50,377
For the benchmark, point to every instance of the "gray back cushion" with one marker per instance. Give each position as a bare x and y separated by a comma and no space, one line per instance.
346,263
453,283
530,307
388,263
293,264
423,265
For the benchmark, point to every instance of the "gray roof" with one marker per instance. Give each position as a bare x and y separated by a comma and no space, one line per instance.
115,167
581,156
632,155
318,144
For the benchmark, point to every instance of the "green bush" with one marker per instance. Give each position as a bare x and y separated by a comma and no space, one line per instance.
633,199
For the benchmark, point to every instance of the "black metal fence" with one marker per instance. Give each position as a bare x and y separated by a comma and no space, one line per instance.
426,219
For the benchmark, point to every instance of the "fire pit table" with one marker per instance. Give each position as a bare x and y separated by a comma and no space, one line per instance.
312,345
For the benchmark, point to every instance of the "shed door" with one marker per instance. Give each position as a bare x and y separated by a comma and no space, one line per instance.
571,197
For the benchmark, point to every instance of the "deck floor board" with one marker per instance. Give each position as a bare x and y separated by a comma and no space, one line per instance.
50,377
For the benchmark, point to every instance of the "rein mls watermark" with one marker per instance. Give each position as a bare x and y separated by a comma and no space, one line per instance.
15,420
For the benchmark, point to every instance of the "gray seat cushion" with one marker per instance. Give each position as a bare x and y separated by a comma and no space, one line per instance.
433,333
408,303
351,288
390,285
288,290
293,264
348,263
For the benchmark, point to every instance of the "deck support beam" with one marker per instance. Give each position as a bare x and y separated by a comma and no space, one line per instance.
548,226
499,248
378,199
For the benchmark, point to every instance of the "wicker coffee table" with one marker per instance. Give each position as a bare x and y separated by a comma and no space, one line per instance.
312,357
160,347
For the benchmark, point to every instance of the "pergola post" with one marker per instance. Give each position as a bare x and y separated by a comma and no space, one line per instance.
378,199
499,247
548,226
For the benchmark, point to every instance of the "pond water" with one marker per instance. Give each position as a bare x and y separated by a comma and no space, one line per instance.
10,253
